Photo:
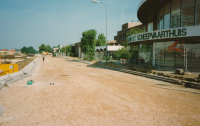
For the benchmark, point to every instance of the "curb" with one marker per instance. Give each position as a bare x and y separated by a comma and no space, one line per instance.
160,78
79,60
82,61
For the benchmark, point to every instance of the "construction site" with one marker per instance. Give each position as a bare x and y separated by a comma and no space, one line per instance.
10,63
143,71
69,91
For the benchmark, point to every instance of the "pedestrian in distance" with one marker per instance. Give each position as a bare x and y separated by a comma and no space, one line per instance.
43,57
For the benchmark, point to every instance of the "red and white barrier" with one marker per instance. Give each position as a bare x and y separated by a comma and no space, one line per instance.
123,61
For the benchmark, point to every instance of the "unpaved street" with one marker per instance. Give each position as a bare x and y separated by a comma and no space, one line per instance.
85,95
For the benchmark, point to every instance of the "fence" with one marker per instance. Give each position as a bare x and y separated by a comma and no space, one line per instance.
111,56
161,58
184,58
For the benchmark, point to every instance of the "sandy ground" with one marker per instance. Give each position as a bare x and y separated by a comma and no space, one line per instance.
88,96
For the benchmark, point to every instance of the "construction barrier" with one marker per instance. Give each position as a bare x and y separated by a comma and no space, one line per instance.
123,61
8,69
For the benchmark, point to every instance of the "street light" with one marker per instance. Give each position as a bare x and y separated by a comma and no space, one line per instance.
95,1
106,23
78,42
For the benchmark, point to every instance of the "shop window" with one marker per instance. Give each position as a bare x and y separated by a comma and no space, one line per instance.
175,13
150,26
188,12
198,13
159,48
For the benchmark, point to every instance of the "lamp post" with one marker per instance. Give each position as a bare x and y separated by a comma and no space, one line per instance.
106,24
78,42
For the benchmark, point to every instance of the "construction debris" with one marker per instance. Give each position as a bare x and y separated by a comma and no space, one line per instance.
52,83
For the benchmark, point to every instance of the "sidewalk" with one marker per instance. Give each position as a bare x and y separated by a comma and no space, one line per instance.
79,60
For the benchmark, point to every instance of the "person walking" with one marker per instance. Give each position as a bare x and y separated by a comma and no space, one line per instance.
43,57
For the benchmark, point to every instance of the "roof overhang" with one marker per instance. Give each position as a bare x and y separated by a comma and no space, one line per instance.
148,9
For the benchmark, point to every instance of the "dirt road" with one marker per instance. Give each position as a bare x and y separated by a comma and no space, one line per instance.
86,95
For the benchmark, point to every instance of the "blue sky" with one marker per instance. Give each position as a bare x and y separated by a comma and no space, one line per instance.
36,22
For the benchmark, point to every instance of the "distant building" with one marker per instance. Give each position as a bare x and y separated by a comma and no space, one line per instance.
11,51
110,48
61,46
78,50
54,50
4,50
111,42
122,35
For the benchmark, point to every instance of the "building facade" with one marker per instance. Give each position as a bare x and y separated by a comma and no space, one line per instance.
173,27
122,35
78,49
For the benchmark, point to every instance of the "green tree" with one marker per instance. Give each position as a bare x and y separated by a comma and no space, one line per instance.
88,43
57,50
42,47
24,50
49,49
84,43
63,50
101,40
124,53
29,49
68,49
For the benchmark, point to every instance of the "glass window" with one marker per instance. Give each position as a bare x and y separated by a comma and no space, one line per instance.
160,46
161,24
175,13
167,16
161,18
198,13
167,21
158,22
188,12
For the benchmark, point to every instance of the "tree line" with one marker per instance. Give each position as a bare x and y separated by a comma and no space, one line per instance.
27,50
45,48
69,49
88,44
